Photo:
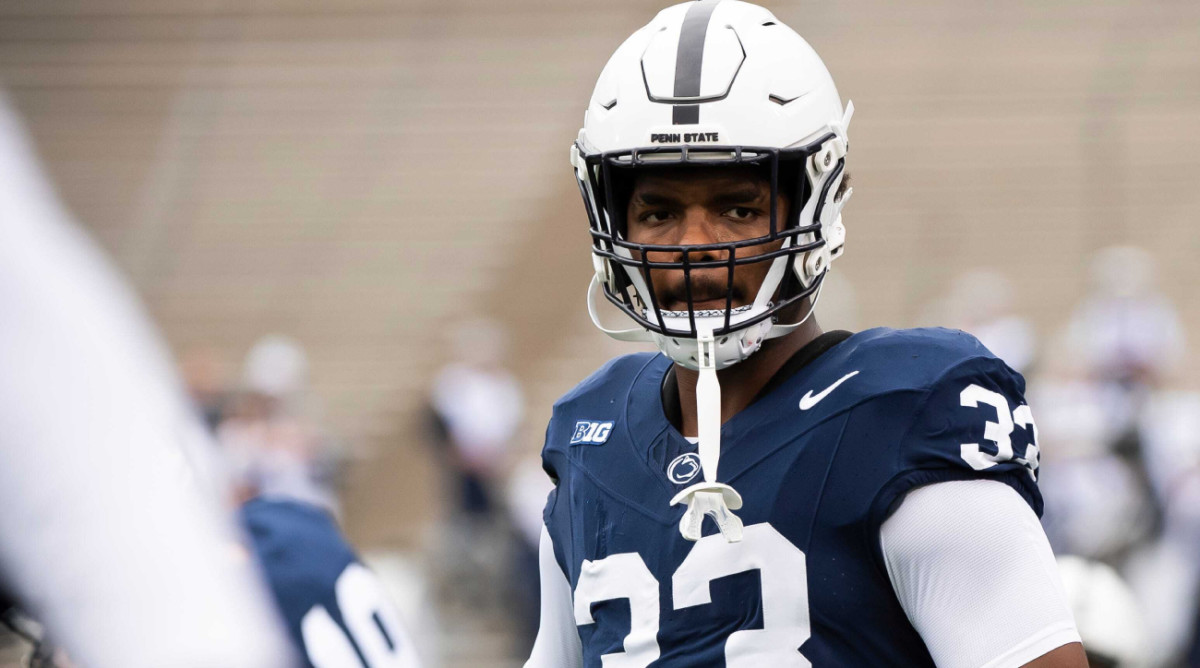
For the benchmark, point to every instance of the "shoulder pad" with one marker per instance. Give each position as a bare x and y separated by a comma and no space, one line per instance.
971,421
615,375
293,537
909,359
588,413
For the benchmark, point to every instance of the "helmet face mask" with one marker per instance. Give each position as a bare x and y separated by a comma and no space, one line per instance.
634,265
628,132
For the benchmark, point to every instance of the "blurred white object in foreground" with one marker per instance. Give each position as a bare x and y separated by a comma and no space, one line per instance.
108,534
1106,611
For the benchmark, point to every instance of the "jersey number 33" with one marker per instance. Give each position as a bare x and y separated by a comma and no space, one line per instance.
783,573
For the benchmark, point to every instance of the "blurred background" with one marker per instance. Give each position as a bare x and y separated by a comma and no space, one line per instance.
355,224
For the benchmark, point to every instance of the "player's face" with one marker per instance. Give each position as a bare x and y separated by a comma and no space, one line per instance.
691,207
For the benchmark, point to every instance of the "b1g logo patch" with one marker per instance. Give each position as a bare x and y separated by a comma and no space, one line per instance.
591,432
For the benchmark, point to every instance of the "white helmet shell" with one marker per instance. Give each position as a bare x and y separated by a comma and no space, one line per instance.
712,66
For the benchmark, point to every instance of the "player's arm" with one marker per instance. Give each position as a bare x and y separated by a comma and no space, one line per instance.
557,644
973,570
961,542
1067,656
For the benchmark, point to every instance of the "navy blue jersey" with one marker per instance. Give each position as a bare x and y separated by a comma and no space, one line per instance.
821,461
335,609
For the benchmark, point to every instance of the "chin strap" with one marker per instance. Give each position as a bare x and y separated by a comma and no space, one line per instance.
710,497
635,334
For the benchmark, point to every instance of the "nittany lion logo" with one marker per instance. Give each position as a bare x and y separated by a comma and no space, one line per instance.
683,468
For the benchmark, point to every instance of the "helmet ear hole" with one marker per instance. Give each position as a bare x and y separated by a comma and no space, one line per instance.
790,284
793,186
621,185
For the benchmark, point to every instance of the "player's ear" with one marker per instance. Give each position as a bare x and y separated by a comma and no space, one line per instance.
843,186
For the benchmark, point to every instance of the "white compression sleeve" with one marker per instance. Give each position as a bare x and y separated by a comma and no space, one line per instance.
107,536
974,572
557,644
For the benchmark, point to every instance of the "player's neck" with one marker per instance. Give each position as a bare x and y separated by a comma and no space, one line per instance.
742,382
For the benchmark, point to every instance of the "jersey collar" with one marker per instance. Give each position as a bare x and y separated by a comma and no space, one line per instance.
669,389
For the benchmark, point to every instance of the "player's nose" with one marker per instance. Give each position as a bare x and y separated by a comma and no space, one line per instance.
699,228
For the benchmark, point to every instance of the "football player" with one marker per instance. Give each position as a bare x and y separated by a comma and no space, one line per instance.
335,608
875,501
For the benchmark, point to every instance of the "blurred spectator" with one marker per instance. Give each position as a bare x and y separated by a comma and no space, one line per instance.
1162,575
1119,346
1097,504
205,379
283,469
981,302
1094,507
270,438
1166,574
1121,473
1125,331
528,487
476,408
1106,613
1169,428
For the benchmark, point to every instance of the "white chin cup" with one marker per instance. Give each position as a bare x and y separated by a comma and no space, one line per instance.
731,348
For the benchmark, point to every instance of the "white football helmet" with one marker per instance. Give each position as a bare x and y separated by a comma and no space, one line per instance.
715,83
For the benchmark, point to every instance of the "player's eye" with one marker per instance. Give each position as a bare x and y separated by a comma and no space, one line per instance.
654,217
741,213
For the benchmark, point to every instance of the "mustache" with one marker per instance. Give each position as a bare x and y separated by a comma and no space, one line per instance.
705,286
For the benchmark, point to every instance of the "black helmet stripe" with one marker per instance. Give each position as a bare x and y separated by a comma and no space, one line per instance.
689,60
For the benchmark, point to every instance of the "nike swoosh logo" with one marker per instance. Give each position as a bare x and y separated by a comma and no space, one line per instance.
809,399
